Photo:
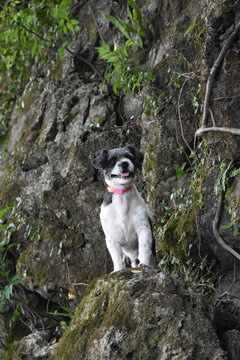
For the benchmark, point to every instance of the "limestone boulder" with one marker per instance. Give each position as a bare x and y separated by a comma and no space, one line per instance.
141,314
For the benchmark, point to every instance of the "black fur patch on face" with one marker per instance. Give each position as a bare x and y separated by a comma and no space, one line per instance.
137,155
101,161
108,158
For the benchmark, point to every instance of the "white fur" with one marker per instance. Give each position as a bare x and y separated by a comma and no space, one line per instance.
124,217
127,229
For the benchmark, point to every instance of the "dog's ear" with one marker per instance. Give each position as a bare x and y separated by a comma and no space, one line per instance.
100,162
138,156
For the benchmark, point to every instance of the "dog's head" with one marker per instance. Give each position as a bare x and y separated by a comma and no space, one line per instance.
119,165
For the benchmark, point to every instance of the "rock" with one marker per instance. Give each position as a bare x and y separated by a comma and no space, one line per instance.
144,314
232,343
3,336
36,346
58,127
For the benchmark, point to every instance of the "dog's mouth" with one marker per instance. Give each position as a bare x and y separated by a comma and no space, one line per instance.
122,175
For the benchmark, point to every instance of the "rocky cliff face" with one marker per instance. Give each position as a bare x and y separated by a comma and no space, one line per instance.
56,130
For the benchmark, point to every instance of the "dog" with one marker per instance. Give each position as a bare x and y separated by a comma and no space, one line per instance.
124,215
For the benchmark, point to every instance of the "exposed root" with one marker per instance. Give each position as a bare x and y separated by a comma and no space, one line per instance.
202,130
214,71
216,224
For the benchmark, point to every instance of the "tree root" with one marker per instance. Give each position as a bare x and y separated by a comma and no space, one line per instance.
214,71
216,224
202,130
209,88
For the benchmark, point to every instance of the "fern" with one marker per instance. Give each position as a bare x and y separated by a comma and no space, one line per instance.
124,71
7,292
222,180
235,172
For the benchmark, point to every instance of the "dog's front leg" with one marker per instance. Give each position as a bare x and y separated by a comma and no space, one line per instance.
145,245
116,253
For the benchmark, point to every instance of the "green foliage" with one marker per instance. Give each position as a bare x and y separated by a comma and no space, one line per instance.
222,180
177,227
27,30
140,28
15,221
124,69
198,275
127,74
225,183
96,124
180,171
231,222
8,290
61,311
190,28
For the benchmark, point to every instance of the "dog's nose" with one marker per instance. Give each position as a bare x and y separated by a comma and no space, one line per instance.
124,165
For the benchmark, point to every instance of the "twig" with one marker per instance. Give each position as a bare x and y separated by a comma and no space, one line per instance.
205,285
86,62
216,230
214,71
202,130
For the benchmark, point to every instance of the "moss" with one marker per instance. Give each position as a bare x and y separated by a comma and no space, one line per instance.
178,234
93,36
104,305
34,269
13,352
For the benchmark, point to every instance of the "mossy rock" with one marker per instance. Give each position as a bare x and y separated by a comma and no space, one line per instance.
142,314
178,234
32,347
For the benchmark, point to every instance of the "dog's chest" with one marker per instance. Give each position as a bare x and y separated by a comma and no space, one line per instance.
119,218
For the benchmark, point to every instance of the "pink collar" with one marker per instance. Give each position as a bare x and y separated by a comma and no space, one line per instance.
118,191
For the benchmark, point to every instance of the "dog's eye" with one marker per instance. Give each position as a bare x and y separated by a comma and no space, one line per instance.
112,160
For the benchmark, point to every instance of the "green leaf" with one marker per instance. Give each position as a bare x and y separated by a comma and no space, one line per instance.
3,211
136,8
74,22
119,23
180,171
116,85
191,27
201,32
77,28
34,48
235,172
130,29
139,41
113,58
65,29
39,48
61,53
70,27
227,226
129,43
129,14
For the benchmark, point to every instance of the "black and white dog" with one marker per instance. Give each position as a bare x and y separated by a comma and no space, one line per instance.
124,215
